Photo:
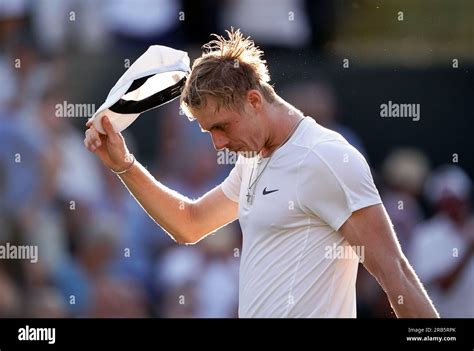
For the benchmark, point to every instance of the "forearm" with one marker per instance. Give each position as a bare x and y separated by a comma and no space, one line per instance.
407,295
166,207
371,228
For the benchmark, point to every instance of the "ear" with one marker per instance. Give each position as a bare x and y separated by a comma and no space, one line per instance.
254,98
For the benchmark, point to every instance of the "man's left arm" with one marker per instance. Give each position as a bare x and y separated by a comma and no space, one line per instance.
371,228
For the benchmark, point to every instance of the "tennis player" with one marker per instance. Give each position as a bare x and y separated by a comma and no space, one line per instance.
305,197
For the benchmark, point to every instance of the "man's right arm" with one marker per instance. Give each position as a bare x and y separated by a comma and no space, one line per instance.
186,220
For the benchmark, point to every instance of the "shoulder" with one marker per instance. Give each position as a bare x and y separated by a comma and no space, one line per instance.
337,158
313,133
325,149
334,180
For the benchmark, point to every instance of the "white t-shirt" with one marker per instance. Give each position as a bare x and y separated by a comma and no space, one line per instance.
289,264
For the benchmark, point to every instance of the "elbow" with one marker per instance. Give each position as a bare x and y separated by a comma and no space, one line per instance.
182,236
186,232
190,233
190,237
186,238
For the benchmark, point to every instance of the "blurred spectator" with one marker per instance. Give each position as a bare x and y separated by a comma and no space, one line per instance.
177,273
205,275
443,247
217,290
45,302
404,171
60,135
61,25
13,18
10,296
20,165
80,274
115,298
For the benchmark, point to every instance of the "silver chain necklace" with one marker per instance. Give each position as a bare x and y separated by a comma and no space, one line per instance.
253,185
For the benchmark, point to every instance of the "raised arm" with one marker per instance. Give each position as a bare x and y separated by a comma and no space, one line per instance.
186,220
371,228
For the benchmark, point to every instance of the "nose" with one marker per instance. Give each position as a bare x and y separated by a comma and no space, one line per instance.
219,140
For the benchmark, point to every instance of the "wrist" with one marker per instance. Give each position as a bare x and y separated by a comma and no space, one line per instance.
129,162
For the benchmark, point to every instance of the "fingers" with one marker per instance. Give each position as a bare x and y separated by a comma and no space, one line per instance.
109,129
92,140
89,122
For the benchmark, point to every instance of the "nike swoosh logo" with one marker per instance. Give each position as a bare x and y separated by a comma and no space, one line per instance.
265,191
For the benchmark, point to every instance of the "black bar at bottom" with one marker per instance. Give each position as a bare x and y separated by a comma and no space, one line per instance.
64,334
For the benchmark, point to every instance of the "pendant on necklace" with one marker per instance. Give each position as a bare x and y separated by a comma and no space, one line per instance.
249,197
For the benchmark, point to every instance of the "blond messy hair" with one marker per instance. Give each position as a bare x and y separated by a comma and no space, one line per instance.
227,69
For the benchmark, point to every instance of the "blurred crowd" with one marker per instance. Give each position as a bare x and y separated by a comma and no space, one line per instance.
100,255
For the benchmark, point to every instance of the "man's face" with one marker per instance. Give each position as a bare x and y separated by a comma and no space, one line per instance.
233,130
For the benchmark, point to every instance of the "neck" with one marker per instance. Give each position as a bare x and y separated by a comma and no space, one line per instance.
282,120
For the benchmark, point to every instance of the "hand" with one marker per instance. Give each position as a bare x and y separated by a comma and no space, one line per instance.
110,148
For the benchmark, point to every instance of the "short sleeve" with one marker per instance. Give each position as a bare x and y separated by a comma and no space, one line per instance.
231,185
334,180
